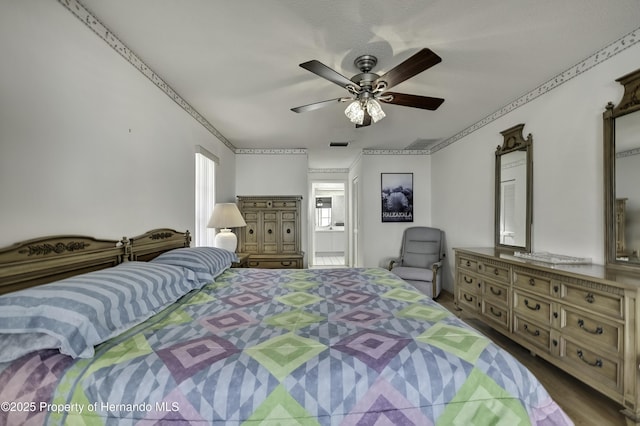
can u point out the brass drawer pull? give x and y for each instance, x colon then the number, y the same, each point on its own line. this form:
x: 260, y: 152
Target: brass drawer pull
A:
x: 283, y: 263
x: 598, y: 362
x: 497, y: 293
x: 598, y: 329
x: 269, y: 231
x: 590, y: 298
x: 496, y: 271
x: 532, y: 281
x: 535, y: 308
x: 497, y: 314
x: 251, y: 231
x: 533, y: 333
x: 468, y: 280
x: 288, y: 230
x: 467, y: 298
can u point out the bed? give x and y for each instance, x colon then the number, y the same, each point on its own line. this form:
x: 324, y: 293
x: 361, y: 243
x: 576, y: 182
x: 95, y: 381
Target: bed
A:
x: 254, y: 346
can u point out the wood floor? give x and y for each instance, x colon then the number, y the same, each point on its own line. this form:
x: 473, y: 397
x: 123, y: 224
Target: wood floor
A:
x: 582, y: 404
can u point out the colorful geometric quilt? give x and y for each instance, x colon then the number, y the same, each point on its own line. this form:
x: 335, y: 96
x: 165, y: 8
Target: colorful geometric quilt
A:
x: 285, y: 347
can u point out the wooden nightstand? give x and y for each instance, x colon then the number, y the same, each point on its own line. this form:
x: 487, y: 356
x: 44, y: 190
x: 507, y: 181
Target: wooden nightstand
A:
x: 243, y: 261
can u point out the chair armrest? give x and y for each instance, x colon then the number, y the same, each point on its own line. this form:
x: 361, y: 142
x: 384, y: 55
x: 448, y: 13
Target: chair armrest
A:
x: 435, y: 267
x: 392, y: 262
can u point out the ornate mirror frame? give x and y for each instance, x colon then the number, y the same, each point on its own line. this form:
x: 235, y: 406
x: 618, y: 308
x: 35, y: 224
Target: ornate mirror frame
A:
x: 514, y: 142
x: 629, y: 103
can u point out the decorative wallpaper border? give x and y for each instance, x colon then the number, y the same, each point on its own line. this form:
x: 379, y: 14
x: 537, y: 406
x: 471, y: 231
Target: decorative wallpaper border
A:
x: 395, y: 152
x: 600, y: 56
x: 272, y: 151
x: 328, y: 171
x: 629, y: 153
x: 84, y: 15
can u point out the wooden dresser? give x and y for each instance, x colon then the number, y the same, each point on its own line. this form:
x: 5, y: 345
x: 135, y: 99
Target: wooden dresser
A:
x: 272, y: 235
x: 581, y: 318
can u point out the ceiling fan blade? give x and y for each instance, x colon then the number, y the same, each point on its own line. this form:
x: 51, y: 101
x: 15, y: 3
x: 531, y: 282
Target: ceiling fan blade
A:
x: 324, y: 71
x: 414, y: 101
x: 419, y: 62
x: 366, y: 121
x: 316, y: 105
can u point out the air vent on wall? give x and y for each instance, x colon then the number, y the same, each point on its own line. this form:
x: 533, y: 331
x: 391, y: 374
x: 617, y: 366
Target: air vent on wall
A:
x: 342, y: 144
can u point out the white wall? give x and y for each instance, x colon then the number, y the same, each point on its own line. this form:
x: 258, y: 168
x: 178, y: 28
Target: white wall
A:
x: 566, y: 124
x: 380, y: 241
x: 88, y: 145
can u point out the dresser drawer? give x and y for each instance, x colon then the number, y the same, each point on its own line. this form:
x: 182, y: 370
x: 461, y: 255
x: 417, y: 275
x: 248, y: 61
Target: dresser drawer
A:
x: 497, y: 272
x: 495, y: 292
x: 602, y: 334
x: 603, y: 303
x: 536, y: 308
x: 534, y: 333
x: 258, y: 204
x: 532, y: 283
x: 275, y: 262
x: 469, y: 283
x: 468, y: 301
x: 279, y: 204
x: 496, y: 313
x: 466, y: 263
x: 590, y: 364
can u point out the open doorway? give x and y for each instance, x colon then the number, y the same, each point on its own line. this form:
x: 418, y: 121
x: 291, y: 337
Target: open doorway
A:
x: 329, y: 240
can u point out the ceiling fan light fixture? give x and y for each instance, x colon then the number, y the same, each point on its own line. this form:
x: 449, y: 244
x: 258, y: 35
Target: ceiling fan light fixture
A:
x: 375, y: 110
x: 355, y: 112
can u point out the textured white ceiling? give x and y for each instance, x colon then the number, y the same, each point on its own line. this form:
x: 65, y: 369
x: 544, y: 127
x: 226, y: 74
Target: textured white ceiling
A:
x: 236, y: 62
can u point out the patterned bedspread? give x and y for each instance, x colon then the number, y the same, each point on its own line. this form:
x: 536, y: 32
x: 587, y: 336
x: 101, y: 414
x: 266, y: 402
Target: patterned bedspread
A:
x: 328, y: 347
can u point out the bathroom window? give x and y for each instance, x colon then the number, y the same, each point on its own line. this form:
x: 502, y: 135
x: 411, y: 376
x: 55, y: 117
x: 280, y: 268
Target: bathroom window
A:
x: 323, y: 212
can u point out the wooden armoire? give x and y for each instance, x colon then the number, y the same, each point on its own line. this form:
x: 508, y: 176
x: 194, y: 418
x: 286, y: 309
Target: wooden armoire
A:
x: 273, y: 231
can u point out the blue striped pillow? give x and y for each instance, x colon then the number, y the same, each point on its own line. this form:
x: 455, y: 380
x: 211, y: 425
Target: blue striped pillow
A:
x: 76, y: 313
x: 206, y: 262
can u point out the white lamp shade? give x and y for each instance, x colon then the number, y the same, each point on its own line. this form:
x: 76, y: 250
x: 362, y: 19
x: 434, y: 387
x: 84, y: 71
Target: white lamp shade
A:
x: 225, y: 216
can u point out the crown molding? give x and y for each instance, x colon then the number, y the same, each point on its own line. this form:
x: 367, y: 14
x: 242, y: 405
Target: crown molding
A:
x: 597, y: 58
x: 94, y: 24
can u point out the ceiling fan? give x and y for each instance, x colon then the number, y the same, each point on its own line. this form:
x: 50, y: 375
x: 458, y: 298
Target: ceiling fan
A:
x: 367, y: 89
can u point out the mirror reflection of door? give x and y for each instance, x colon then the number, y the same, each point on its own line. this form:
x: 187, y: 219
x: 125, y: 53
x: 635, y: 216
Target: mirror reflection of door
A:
x: 507, y: 213
x: 329, y: 240
x: 513, y: 196
x: 627, y: 189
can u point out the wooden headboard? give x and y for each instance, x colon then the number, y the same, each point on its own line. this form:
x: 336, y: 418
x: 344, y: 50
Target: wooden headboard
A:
x: 44, y: 260
x: 155, y: 242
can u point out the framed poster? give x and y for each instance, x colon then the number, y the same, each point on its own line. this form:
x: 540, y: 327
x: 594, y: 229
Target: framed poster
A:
x: 397, y: 197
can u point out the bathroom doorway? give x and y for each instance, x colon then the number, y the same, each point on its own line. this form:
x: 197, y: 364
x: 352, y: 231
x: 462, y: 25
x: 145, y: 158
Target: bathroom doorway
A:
x: 329, y: 240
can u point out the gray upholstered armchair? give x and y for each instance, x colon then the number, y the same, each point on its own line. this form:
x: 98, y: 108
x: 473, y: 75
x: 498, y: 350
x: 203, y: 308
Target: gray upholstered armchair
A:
x: 420, y: 259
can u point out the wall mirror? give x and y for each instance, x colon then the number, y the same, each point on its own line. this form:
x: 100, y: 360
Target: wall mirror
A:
x: 513, y: 191
x: 622, y: 176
